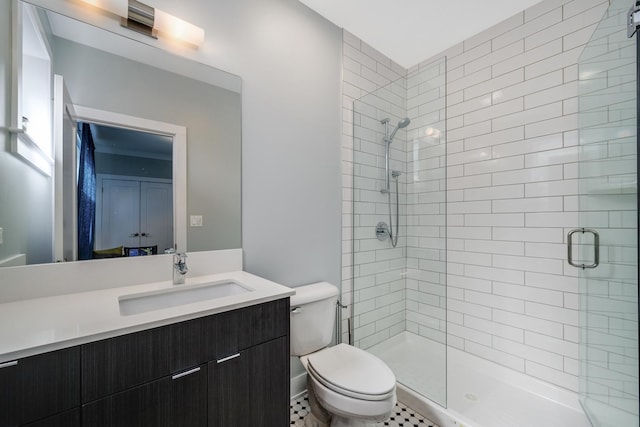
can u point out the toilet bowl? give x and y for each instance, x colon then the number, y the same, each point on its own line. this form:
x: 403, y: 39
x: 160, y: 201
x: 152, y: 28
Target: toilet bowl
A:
x: 347, y: 386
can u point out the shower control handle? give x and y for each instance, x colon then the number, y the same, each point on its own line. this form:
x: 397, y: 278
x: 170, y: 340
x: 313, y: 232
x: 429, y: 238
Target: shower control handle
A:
x: 382, y: 231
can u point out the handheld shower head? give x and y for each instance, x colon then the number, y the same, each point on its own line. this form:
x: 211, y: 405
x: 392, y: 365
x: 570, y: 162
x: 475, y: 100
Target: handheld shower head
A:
x: 404, y: 122
x: 401, y: 124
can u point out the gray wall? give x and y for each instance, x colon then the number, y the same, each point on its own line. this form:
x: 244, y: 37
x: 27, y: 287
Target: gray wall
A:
x: 211, y: 115
x: 289, y: 59
x: 25, y: 200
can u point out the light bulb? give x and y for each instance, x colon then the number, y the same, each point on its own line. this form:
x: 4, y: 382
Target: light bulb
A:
x: 177, y: 28
x: 117, y: 7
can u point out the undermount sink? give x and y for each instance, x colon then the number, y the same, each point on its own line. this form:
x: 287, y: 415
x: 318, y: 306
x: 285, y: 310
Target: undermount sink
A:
x: 184, y: 294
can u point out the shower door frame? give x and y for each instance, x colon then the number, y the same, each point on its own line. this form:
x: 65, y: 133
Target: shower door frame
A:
x: 605, y: 175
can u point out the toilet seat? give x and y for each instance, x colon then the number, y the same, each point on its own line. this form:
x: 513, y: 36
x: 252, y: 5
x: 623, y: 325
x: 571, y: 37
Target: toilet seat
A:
x: 352, y: 372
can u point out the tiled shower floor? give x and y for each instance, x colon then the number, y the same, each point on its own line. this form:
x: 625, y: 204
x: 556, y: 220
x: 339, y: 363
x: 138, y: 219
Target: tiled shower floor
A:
x: 402, y: 416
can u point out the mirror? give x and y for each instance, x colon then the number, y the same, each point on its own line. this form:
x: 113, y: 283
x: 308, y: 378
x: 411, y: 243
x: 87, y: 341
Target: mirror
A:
x: 115, y: 75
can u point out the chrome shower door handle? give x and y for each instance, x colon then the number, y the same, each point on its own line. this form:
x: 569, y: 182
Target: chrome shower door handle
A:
x: 596, y: 248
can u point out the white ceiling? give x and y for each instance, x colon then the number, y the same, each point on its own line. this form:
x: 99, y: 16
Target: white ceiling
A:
x: 410, y: 31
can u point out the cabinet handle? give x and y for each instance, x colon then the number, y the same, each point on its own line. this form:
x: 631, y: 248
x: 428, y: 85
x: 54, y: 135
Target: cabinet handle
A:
x: 8, y: 364
x: 225, y: 359
x: 185, y: 373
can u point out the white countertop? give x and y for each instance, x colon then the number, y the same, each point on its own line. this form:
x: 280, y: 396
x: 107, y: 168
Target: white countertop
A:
x: 39, y: 325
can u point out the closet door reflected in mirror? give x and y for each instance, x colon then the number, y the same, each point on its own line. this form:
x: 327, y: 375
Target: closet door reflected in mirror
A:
x: 134, y: 217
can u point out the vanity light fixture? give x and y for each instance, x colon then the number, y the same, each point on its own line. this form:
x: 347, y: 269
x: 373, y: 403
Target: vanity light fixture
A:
x: 147, y: 20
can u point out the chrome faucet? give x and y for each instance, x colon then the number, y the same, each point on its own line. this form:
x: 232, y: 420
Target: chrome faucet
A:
x: 179, y: 268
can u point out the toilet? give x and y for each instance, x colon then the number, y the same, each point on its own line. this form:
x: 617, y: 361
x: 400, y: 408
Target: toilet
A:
x: 346, y: 385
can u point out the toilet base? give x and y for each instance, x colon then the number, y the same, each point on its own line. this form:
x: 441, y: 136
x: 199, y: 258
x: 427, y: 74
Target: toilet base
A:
x: 310, y: 420
x: 337, y: 421
x: 319, y: 416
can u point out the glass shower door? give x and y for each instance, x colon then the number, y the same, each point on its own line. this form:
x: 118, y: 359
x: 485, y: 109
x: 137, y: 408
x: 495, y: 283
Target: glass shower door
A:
x: 605, y: 248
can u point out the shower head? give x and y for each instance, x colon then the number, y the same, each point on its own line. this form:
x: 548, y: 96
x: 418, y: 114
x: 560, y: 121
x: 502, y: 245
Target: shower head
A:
x: 404, y: 123
x: 401, y: 124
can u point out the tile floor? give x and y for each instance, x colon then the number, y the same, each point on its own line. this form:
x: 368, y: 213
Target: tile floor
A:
x: 402, y: 417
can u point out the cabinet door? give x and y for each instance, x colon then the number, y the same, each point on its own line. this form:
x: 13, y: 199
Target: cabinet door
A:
x: 156, y: 215
x: 118, y: 217
x: 48, y: 383
x: 115, y: 364
x: 180, y: 400
x: 8, y: 395
x: 66, y: 419
x: 251, y: 389
x: 36, y: 387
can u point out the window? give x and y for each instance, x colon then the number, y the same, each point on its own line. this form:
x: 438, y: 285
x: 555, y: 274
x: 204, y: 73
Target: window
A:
x: 32, y: 90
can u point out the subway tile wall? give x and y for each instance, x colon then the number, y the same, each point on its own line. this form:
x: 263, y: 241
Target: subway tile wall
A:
x: 374, y: 275
x: 511, y: 192
x: 426, y: 201
x: 378, y: 268
x: 401, y: 288
x: 512, y: 189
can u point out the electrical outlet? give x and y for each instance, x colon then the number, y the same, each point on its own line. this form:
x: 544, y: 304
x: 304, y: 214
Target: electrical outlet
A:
x: 196, y: 220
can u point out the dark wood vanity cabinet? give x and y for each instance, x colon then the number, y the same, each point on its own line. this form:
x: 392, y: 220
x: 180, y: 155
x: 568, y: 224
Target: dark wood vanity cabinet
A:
x: 43, y: 389
x: 116, y: 364
x: 65, y: 419
x: 178, y: 400
x: 246, y: 390
x: 223, y: 370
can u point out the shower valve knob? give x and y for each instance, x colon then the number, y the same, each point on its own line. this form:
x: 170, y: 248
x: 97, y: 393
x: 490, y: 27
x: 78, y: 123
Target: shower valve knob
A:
x: 382, y: 231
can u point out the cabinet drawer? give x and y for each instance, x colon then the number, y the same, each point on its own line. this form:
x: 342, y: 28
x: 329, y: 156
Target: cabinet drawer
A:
x: 36, y: 387
x: 227, y: 333
x: 179, y: 400
x: 115, y: 364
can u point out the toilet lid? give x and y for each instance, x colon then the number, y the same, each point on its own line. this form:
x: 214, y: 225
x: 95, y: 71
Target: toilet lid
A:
x: 353, y: 371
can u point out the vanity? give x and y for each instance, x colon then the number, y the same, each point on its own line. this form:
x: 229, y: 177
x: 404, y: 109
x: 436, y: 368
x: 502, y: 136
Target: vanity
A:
x: 93, y: 359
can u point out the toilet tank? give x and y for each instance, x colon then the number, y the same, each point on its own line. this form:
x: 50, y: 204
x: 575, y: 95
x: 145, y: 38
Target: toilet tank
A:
x: 313, y: 315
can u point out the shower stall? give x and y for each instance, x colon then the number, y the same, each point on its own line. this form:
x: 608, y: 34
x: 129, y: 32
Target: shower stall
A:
x: 404, y: 310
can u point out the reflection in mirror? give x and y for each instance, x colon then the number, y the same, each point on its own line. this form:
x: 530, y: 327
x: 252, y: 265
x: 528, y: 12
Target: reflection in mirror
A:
x: 133, y: 192
x: 39, y: 213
